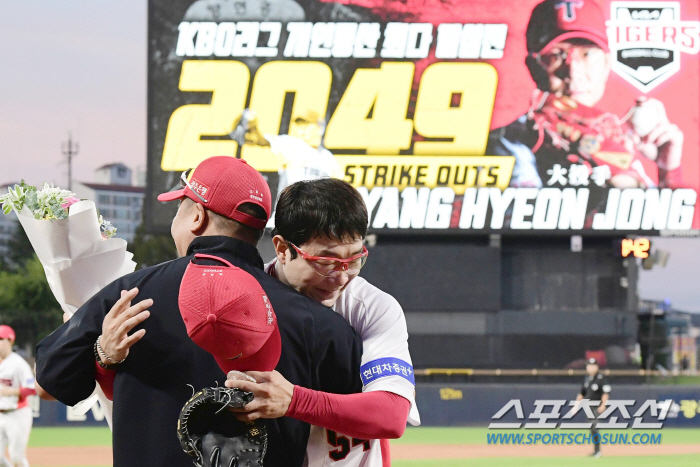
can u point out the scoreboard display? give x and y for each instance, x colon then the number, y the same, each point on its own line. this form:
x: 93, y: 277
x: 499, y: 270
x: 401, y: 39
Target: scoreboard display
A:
x: 488, y: 116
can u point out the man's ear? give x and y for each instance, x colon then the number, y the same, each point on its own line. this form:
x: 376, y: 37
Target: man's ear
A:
x: 198, y: 219
x: 281, y: 248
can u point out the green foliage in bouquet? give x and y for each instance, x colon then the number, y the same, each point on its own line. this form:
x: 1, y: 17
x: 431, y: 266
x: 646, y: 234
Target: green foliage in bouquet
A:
x: 49, y: 203
x: 106, y: 227
x: 44, y: 204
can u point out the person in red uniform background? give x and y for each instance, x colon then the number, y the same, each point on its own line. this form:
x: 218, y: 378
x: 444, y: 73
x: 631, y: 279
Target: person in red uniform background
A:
x: 16, y: 384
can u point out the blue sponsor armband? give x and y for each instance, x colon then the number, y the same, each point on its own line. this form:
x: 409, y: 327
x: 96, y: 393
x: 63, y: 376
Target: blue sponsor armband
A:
x: 382, y: 367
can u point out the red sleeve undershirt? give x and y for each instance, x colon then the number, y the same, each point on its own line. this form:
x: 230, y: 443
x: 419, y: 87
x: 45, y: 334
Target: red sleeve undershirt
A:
x: 386, y: 452
x: 367, y: 415
x: 105, y: 378
x: 25, y: 392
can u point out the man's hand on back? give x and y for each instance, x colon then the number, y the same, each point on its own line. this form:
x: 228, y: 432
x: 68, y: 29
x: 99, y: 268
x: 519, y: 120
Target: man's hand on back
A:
x: 122, y: 318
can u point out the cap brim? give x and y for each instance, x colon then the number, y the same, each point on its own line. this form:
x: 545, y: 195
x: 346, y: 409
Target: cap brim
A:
x: 172, y: 195
x: 265, y: 359
x: 596, y: 39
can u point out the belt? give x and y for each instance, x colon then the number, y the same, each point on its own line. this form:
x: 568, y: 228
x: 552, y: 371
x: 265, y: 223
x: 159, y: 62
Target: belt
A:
x: 6, y: 410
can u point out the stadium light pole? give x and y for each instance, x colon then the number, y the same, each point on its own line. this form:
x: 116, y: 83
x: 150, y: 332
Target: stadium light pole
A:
x: 69, y: 150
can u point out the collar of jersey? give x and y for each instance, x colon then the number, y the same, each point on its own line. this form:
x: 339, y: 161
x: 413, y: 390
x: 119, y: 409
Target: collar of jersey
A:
x: 228, y: 246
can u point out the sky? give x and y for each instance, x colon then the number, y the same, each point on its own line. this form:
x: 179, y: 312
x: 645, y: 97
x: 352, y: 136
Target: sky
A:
x: 79, y: 67
x: 75, y: 66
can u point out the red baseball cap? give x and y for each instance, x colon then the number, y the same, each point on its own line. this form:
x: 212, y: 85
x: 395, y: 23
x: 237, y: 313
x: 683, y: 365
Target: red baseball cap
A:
x: 6, y: 332
x: 229, y: 315
x: 222, y: 184
x: 553, y: 21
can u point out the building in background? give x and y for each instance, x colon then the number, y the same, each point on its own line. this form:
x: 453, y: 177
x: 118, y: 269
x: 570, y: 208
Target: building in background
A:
x: 117, y: 198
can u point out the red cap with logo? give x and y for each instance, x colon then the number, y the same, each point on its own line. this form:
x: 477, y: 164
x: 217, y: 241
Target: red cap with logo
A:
x: 222, y: 184
x: 553, y: 21
x: 6, y: 332
x: 229, y: 315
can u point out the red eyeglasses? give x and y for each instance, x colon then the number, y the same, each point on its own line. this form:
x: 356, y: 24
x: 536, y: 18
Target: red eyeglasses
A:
x: 331, y: 267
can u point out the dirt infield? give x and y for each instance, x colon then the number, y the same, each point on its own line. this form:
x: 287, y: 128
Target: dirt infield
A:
x: 102, y: 455
x: 464, y: 451
x: 70, y: 456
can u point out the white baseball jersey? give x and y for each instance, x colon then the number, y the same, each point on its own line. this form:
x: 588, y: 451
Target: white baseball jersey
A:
x: 299, y: 161
x: 15, y: 372
x: 386, y: 366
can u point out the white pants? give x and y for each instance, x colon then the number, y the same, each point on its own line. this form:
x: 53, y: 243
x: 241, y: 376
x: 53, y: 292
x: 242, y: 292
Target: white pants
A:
x: 15, y: 427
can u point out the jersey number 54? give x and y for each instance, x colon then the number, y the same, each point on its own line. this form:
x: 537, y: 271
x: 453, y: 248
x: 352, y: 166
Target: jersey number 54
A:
x: 343, y: 445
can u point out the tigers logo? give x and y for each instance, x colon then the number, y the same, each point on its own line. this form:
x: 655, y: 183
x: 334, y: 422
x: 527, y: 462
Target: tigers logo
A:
x: 568, y: 9
x: 646, y: 40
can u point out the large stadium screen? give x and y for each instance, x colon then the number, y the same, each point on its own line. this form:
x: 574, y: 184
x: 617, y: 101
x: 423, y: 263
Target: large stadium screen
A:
x: 473, y: 117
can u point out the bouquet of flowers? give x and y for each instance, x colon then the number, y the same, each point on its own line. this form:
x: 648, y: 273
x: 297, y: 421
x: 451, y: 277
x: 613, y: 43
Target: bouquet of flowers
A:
x: 73, y: 242
x: 75, y: 246
x: 48, y: 204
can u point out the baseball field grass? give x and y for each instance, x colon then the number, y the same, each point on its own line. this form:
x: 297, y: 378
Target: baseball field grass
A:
x: 70, y: 436
x: 420, y: 447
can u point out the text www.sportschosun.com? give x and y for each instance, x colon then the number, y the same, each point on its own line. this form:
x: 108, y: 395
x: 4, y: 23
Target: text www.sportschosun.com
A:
x: 572, y: 438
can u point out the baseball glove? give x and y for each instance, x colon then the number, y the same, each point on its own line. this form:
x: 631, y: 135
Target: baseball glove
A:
x: 569, y: 131
x: 213, y: 437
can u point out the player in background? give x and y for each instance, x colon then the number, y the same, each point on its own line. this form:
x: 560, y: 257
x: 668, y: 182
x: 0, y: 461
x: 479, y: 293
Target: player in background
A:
x: 301, y: 154
x: 595, y: 388
x: 319, y: 229
x: 16, y: 384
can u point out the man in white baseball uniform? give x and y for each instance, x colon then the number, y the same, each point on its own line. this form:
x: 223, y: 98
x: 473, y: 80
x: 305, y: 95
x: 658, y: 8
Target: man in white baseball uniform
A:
x: 300, y: 154
x: 319, y: 229
x: 16, y: 384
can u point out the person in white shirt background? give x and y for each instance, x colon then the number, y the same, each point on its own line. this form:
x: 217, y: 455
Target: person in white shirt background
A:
x: 16, y: 384
x: 301, y: 154
x: 320, y: 255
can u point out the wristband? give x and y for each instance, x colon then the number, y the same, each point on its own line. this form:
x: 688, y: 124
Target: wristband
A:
x: 98, y: 360
x: 101, y: 353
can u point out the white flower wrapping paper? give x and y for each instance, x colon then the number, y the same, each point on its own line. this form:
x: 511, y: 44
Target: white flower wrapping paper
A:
x: 78, y: 263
